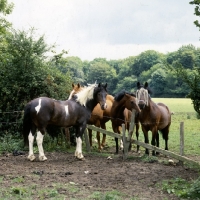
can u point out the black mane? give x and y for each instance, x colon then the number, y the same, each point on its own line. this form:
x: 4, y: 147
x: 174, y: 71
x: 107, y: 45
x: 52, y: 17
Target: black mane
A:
x: 121, y: 94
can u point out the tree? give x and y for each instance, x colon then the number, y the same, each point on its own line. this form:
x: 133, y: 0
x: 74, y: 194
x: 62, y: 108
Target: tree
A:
x: 145, y: 61
x: 25, y: 74
x: 101, y: 71
x: 196, y: 11
x: 5, y: 9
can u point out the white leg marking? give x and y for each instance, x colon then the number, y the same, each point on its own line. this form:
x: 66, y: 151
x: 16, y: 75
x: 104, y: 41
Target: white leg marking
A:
x: 78, y: 152
x: 66, y: 110
x: 31, y: 156
x: 37, y: 108
x: 39, y: 140
x: 121, y: 145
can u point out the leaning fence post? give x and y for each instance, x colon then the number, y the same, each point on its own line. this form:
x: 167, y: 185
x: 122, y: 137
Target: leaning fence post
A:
x: 125, y: 146
x: 182, y: 138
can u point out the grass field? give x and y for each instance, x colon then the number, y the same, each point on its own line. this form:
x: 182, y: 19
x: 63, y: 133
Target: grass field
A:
x: 183, y: 112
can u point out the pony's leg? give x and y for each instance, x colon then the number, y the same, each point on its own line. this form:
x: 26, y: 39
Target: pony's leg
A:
x: 157, y: 142
x: 98, y: 140
x: 67, y: 136
x: 146, y: 139
x: 137, y: 135
x: 117, y: 147
x: 31, y: 156
x: 39, y: 140
x: 78, y: 152
x: 153, y: 141
x: 90, y: 136
x: 103, y: 143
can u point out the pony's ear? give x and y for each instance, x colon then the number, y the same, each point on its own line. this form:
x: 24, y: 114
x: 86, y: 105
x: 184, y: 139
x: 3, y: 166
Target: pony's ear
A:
x: 73, y: 85
x: 99, y: 84
x: 78, y: 85
x: 105, y: 85
x: 138, y: 85
x: 145, y: 85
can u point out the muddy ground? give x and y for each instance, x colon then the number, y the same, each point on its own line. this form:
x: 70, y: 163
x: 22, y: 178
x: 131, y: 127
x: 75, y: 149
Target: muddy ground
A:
x: 132, y: 177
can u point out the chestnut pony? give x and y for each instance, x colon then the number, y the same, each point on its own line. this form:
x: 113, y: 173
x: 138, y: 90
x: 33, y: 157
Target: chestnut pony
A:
x: 120, y: 113
x: 98, y: 117
x: 153, y: 117
x: 75, y: 112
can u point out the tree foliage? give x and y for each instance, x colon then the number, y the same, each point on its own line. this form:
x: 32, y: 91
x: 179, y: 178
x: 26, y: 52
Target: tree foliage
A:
x: 25, y: 74
x: 5, y: 9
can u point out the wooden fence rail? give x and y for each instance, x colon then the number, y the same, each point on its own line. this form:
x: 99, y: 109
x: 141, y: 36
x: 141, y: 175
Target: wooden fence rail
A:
x: 128, y: 139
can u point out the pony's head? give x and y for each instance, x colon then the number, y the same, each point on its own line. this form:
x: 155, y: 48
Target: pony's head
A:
x: 142, y: 95
x: 75, y: 89
x: 93, y: 91
x: 100, y: 93
x: 127, y: 100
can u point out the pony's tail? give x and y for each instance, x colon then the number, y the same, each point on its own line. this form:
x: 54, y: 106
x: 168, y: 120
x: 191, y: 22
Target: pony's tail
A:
x: 26, y: 123
x: 164, y: 133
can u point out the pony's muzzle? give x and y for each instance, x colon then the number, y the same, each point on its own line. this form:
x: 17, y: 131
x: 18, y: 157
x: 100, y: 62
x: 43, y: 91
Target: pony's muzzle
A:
x: 141, y: 104
x: 103, y: 106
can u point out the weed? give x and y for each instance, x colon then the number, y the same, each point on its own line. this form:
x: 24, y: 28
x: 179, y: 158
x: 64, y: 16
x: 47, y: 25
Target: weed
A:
x: 182, y: 188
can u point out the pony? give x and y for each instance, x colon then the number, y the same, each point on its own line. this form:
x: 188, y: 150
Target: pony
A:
x: 99, y: 117
x: 153, y: 117
x: 120, y: 112
x: 75, y: 112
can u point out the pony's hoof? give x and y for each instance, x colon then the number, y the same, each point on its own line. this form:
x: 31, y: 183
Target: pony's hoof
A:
x: 79, y: 156
x: 31, y: 157
x: 42, y: 158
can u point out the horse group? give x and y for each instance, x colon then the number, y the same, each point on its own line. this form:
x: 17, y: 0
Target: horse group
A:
x: 92, y: 105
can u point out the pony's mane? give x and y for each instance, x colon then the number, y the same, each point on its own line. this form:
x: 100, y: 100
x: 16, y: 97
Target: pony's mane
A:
x: 85, y: 94
x: 121, y: 94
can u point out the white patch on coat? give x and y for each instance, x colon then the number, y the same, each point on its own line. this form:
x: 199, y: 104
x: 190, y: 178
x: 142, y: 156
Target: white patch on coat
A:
x: 67, y: 110
x: 37, y: 108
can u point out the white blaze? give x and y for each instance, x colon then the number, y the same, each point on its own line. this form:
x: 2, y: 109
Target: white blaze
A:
x: 37, y: 108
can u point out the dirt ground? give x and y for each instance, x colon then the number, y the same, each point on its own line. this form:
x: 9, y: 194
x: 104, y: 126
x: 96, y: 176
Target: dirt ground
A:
x: 132, y: 177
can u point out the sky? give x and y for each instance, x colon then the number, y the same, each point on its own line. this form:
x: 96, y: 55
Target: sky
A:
x: 111, y: 29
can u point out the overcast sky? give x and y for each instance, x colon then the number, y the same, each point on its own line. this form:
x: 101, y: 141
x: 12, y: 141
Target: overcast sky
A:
x: 111, y: 29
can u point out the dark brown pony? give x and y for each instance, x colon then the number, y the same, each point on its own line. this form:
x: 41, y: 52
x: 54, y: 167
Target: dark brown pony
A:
x: 75, y: 112
x: 120, y: 113
x: 98, y: 117
x: 153, y: 117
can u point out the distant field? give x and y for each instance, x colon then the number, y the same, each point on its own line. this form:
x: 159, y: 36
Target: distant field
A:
x: 183, y: 112
x: 177, y: 104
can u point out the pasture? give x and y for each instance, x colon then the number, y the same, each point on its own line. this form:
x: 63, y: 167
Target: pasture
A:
x: 103, y: 176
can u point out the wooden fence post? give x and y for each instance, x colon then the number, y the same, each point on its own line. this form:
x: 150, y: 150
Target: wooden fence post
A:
x: 125, y: 145
x: 132, y: 125
x: 182, y: 138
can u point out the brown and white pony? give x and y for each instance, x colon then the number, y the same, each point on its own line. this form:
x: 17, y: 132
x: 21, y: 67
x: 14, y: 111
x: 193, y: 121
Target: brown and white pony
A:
x: 99, y: 117
x: 75, y: 112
